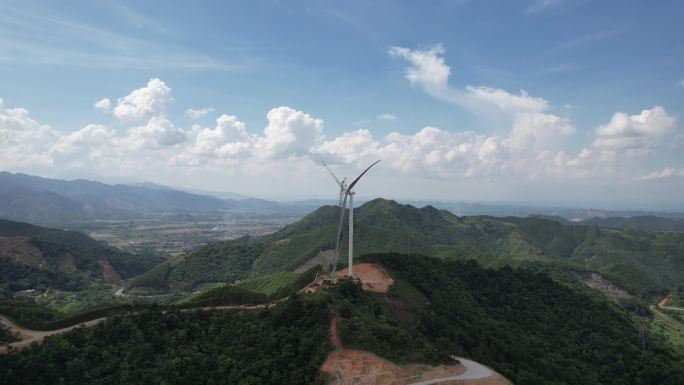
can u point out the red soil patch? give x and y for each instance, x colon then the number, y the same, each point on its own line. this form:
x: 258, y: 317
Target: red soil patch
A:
x: 362, y: 368
x: 108, y: 273
x: 373, y: 277
x: 665, y: 301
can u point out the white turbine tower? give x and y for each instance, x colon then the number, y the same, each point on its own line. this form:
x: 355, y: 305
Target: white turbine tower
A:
x: 342, y: 203
x: 350, y: 194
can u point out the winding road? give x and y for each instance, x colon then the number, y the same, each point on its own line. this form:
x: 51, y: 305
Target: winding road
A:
x: 29, y: 336
x: 473, y: 371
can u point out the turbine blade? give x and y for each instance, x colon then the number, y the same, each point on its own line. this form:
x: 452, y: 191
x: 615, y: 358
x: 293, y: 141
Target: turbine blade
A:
x: 333, y: 175
x: 339, y: 228
x: 359, y: 177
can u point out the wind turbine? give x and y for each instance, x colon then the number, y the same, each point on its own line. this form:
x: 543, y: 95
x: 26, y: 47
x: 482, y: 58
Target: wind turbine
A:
x: 349, y: 193
x: 342, y: 203
x: 344, y: 193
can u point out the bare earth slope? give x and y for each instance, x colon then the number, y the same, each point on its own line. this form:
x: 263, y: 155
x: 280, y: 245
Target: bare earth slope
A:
x: 347, y: 366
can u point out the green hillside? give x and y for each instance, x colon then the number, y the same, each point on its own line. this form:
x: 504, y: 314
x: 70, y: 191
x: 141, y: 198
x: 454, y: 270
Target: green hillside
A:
x: 645, y: 263
x: 522, y: 324
x: 33, y: 257
x: 283, y: 346
x: 270, y: 284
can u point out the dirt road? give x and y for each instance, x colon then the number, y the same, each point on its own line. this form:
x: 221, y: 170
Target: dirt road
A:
x: 665, y: 301
x: 29, y: 336
x: 473, y: 371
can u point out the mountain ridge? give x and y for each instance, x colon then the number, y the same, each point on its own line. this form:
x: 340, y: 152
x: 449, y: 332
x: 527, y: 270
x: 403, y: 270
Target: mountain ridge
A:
x: 54, y: 201
x: 645, y: 263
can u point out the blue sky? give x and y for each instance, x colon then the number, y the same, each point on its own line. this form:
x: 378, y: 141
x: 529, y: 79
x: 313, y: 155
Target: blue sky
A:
x: 553, y: 100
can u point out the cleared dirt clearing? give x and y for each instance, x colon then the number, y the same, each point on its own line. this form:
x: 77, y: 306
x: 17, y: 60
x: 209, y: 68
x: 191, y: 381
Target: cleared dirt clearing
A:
x: 373, y: 277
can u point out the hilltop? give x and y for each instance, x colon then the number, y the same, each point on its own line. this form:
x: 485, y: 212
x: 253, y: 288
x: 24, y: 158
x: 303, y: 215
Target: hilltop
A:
x: 645, y: 263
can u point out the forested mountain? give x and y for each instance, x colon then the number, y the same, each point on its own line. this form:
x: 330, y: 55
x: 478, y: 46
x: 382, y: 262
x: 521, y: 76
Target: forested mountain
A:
x: 522, y: 324
x: 284, y: 346
x: 33, y: 257
x: 569, y: 213
x: 645, y: 263
x: 643, y: 222
x: 53, y: 201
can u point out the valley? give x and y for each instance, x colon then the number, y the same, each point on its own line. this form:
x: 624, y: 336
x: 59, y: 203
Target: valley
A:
x: 176, y: 234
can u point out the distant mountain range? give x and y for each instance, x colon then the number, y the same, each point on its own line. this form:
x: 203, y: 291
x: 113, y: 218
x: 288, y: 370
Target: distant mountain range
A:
x: 61, y: 203
x: 509, y: 209
x: 644, y: 263
x: 642, y: 222
x: 53, y: 201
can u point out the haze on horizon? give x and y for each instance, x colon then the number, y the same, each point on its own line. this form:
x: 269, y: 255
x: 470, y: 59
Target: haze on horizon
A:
x: 553, y: 101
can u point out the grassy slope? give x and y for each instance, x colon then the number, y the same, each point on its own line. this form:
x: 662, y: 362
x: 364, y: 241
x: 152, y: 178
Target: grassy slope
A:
x: 671, y: 326
x: 271, y: 283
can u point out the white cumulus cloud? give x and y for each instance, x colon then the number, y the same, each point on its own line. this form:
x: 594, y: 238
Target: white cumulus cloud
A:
x: 533, y: 129
x: 88, y: 136
x: 159, y: 132
x: 195, y: 113
x: 144, y: 102
x: 289, y: 133
x: 624, y: 131
x: 228, y: 139
x: 23, y: 141
x: 507, y: 101
x: 427, y: 69
x: 531, y: 144
x: 103, y: 104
